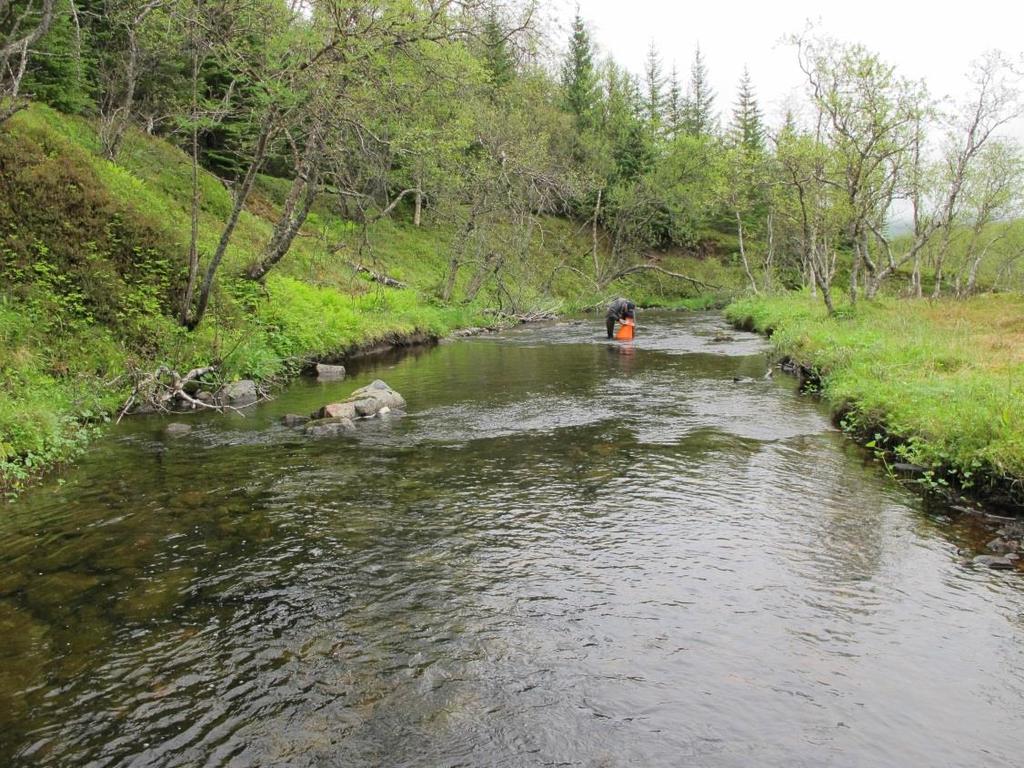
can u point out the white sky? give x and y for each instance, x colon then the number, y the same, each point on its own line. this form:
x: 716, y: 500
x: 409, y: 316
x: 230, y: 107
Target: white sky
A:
x: 933, y: 40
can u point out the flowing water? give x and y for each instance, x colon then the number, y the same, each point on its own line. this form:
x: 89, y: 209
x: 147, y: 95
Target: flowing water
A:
x: 570, y: 552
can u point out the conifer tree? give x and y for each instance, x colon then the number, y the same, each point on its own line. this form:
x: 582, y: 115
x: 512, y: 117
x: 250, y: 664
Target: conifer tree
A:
x: 747, y: 129
x: 654, y: 85
x: 579, y: 78
x: 496, y: 55
x: 674, y: 103
x: 700, y: 119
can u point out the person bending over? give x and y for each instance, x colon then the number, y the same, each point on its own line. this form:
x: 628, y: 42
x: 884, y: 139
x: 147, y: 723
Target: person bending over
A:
x: 618, y: 310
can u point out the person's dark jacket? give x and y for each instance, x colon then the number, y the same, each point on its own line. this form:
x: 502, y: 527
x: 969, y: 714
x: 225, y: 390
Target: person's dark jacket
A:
x: 621, y: 308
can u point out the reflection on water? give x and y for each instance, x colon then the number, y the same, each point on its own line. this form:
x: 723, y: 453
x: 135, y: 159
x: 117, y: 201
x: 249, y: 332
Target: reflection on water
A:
x: 570, y: 552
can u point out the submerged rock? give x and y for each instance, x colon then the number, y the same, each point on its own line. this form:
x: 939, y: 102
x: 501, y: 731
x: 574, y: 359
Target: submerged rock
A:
x: 294, y: 420
x: 329, y: 427
x: 177, y: 428
x: 994, y: 561
x: 330, y: 372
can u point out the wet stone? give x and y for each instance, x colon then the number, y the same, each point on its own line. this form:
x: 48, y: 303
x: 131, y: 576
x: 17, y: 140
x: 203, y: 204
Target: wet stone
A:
x: 294, y: 420
x: 329, y: 427
x: 330, y: 372
x: 239, y: 393
x: 999, y: 546
x: 177, y: 428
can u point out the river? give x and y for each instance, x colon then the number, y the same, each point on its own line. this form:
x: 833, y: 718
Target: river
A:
x: 571, y: 552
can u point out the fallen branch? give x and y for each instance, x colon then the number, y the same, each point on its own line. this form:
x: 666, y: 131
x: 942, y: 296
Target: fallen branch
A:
x: 655, y: 268
x: 165, y: 385
x: 377, y: 277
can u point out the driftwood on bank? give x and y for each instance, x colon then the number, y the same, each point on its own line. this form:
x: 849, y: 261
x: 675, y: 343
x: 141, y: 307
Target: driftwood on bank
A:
x: 377, y: 277
x: 158, y: 390
x: 655, y: 268
x: 530, y: 316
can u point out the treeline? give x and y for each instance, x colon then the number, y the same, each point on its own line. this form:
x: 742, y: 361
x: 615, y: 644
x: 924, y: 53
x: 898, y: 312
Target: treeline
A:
x: 454, y: 112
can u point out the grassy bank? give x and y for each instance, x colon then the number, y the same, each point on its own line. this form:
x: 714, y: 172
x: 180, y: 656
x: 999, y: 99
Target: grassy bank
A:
x: 936, y: 384
x: 92, y: 262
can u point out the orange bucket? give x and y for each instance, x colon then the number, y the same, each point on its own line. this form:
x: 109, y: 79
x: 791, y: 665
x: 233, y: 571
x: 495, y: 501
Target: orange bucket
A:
x: 625, y: 332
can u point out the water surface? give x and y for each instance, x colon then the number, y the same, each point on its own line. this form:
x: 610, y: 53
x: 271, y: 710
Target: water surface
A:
x: 570, y: 552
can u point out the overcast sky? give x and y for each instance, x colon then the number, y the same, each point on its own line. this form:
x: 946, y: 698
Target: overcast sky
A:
x: 930, y: 40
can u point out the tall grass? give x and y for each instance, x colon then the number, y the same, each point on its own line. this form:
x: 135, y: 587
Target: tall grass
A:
x: 940, y: 383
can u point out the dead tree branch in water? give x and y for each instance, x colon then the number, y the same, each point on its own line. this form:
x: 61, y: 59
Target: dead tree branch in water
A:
x: 158, y: 389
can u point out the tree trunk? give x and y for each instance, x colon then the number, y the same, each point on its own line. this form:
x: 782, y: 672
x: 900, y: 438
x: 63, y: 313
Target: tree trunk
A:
x: 743, y: 253
x: 242, y: 194
x: 193, y: 245
x: 294, y: 214
x: 20, y: 48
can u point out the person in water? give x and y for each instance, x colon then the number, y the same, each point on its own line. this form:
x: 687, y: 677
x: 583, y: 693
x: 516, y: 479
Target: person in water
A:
x: 618, y: 311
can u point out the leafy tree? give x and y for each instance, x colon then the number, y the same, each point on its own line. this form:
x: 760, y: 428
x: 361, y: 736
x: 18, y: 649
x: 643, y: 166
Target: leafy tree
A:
x: 22, y: 25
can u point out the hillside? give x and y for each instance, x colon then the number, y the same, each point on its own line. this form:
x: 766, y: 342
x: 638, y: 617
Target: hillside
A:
x: 92, y: 260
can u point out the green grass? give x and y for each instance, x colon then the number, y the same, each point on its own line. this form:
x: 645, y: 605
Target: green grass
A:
x: 939, y: 384
x: 92, y: 262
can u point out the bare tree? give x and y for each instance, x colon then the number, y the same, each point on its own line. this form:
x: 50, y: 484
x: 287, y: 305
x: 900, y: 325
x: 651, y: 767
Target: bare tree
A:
x: 21, y: 29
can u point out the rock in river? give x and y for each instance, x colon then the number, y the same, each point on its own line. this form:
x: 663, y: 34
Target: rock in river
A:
x: 330, y: 372
x: 374, y: 399
x: 177, y: 428
x: 294, y: 420
x: 328, y: 427
x: 344, y: 410
x: 238, y: 393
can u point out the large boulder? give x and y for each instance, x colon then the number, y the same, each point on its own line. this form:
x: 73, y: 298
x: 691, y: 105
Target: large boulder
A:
x: 328, y: 427
x: 238, y: 393
x: 330, y: 372
x: 376, y: 398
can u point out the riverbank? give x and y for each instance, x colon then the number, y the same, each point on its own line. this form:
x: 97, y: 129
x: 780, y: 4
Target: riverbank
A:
x: 935, y: 388
x: 92, y: 265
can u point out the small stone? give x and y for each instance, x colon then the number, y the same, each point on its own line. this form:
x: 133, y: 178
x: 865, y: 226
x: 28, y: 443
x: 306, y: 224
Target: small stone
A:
x: 999, y: 546
x: 177, y: 428
x: 330, y: 372
x: 205, y: 397
x: 294, y: 420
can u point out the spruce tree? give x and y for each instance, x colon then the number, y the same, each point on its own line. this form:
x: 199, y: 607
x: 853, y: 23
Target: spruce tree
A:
x: 496, y: 55
x: 700, y: 119
x: 674, y: 104
x: 747, y: 129
x: 579, y: 79
x: 654, y: 84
